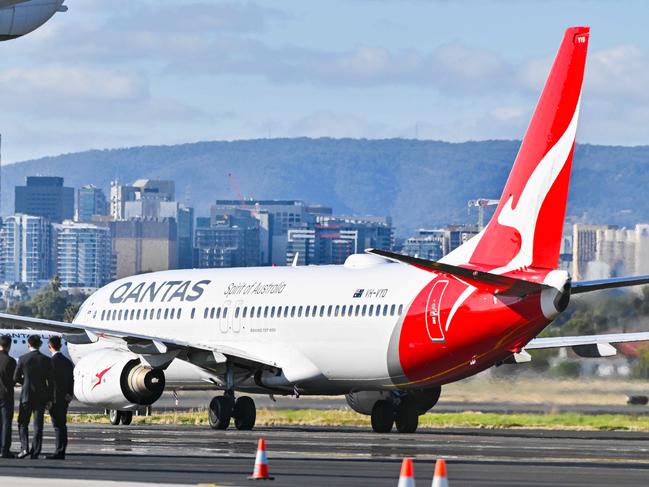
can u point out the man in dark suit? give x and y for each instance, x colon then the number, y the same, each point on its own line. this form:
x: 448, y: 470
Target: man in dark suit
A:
x: 63, y: 392
x: 34, y: 372
x: 7, y: 369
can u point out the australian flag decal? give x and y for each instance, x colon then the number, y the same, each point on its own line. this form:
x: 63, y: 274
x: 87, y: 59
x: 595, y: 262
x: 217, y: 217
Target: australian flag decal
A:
x: 358, y: 293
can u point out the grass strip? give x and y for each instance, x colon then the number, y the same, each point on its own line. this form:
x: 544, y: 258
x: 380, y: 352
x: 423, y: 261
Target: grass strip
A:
x: 313, y: 417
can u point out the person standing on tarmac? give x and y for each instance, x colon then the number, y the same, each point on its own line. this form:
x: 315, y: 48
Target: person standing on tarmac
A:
x: 7, y: 369
x: 63, y: 392
x: 34, y: 372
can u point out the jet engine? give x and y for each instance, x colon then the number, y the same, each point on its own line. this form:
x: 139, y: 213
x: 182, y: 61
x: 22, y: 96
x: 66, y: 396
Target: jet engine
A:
x: 116, y: 379
x: 423, y: 399
x: 20, y: 17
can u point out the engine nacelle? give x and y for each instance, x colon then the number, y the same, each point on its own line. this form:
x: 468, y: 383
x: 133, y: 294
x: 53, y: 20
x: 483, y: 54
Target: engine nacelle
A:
x: 22, y: 18
x: 115, y: 379
x: 363, y: 401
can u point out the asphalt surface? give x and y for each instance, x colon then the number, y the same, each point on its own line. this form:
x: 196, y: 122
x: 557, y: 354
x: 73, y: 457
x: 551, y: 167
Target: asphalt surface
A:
x: 194, y: 400
x: 192, y: 455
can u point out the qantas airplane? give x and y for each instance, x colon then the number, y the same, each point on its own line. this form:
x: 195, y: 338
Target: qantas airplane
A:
x: 20, y: 17
x: 386, y: 330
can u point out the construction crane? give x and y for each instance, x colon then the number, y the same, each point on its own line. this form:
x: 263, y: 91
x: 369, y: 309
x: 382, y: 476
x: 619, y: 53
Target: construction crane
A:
x: 481, y: 204
x: 234, y: 185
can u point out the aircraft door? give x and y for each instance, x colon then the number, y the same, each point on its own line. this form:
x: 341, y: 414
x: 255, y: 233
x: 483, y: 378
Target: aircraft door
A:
x: 237, y: 317
x: 435, y: 316
x: 226, y: 316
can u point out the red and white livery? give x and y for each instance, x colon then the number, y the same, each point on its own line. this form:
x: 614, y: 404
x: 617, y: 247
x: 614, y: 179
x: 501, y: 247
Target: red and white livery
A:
x: 386, y: 330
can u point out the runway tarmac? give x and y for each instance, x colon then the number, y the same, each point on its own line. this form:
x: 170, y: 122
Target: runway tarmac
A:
x: 191, y: 455
x: 193, y: 400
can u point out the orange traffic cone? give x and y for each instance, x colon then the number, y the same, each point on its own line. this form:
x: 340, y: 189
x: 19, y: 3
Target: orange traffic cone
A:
x: 261, y: 463
x: 440, y: 479
x: 407, y: 477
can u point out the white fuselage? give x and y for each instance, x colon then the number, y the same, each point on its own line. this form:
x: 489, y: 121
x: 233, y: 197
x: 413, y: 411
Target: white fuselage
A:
x: 330, y: 326
x: 19, y: 346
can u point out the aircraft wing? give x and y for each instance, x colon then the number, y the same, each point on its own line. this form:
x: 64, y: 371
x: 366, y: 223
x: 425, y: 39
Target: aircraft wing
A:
x: 141, y: 344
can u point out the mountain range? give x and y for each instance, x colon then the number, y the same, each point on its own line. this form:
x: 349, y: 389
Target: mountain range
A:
x: 419, y: 183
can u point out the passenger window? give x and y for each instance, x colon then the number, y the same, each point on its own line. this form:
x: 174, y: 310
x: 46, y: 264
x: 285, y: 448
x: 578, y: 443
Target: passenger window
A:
x: 179, y: 311
x: 132, y: 314
x: 392, y: 309
x: 166, y: 313
x: 307, y: 311
x: 225, y: 313
x: 272, y: 312
x: 245, y: 312
x: 286, y: 312
x: 102, y: 315
x: 358, y: 310
x: 299, y: 312
x: 236, y: 312
x: 193, y: 313
x: 259, y: 312
x: 205, y: 313
x: 343, y: 310
x: 252, y: 311
x: 152, y: 313
x: 364, y: 310
x: 400, y: 309
x: 172, y: 313
x: 212, y: 311
x: 266, y: 312
x: 159, y: 314
x: 337, y: 310
x: 329, y: 310
x: 279, y: 312
x: 385, y: 310
x: 322, y: 308
x: 119, y: 315
x: 137, y: 315
x: 218, y: 313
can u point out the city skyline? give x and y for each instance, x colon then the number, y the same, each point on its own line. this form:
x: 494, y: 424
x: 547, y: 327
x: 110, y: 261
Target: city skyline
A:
x: 132, y: 73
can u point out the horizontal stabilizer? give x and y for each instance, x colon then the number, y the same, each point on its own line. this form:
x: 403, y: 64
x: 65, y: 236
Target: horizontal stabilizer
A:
x: 578, y: 341
x: 588, y: 286
x: 494, y: 283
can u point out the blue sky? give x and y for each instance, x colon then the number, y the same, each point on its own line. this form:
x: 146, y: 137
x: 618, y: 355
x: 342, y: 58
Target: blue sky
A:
x: 124, y: 73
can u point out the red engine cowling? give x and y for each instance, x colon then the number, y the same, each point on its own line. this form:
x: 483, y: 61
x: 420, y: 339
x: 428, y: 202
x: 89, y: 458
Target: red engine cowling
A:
x: 116, y: 379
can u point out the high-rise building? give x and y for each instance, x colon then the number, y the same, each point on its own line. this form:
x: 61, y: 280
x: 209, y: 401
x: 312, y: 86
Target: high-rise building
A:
x: 83, y: 255
x: 231, y: 240
x: 25, y: 249
x: 145, y: 198
x: 321, y: 245
x: 602, y: 251
x: 276, y: 218
x: 91, y: 201
x: 185, y: 222
x: 373, y: 231
x: 46, y: 197
x: 425, y: 247
x: 144, y: 246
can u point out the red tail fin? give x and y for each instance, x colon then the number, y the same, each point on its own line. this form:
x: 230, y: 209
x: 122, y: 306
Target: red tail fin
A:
x: 526, y: 228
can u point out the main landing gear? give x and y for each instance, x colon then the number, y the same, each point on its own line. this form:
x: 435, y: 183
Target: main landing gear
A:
x: 385, y: 414
x: 224, y: 408
x: 116, y: 417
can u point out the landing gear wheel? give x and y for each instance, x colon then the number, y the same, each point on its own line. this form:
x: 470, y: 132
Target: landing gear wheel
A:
x: 245, y: 413
x: 382, y: 416
x: 127, y: 417
x: 220, y: 412
x: 114, y: 416
x: 406, y: 417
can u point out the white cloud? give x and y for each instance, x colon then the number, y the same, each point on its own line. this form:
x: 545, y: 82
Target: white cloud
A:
x: 74, y: 83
